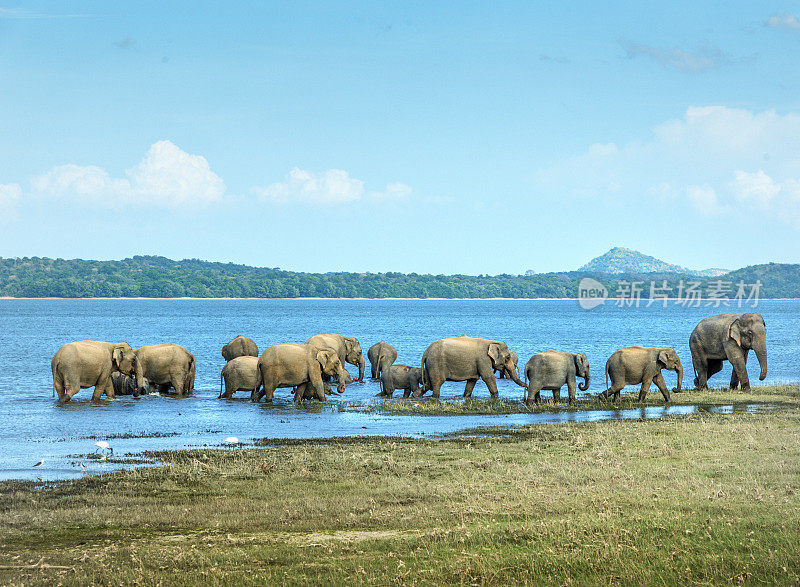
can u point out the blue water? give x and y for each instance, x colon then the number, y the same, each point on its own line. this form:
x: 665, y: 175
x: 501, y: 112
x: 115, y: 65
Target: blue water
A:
x: 35, y: 427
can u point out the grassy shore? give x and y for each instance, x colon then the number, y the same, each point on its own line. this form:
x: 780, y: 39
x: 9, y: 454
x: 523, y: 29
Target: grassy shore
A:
x: 706, y: 498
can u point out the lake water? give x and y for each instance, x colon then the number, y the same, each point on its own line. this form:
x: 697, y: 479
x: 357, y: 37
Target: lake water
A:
x: 31, y: 331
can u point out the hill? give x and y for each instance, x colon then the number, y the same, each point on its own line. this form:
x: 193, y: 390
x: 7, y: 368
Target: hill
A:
x: 620, y: 260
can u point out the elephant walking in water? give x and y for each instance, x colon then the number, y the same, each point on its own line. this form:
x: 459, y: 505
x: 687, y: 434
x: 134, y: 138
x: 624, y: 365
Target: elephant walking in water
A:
x: 552, y: 370
x: 409, y: 379
x: 381, y: 356
x: 165, y: 366
x: 87, y: 363
x: 238, y: 374
x: 296, y: 365
x: 241, y: 346
x: 728, y: 337
x: 348, y: 349
x: 638, y: 364
x: 464, y: 358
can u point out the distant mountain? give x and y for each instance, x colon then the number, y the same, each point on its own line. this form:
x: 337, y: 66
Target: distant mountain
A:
x: 621, y: 260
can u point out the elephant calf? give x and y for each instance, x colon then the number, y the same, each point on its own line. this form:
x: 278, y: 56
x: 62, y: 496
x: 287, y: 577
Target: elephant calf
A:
x: 637, y: 364
x: 238, y: 374
x: 126, y: 385
x: 381, y: 356
x: 409, y: 379
x: 347, y: 348
x: 552, y: 370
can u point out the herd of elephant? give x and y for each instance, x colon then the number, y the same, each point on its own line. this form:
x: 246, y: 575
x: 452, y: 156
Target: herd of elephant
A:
x: 309, y: 368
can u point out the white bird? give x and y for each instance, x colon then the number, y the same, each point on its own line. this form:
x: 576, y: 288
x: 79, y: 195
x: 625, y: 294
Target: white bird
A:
x: 39, y: 464
x: 102, y: 444
x: 231, y: 440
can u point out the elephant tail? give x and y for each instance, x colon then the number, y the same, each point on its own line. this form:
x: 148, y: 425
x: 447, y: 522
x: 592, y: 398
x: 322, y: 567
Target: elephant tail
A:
x: 425, y: 377
x: 258, y: 383
x: 221, y: 381
x: 607, y: 375
x: 192, y: 372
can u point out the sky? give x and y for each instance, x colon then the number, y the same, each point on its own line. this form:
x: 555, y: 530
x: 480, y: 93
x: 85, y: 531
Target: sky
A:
x: 428, y: 137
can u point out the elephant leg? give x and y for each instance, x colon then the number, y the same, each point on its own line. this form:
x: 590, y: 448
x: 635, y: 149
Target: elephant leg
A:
x: 734, y: 375
x: 739, y: 368
x: 179, y: 381
x: 488, y: 379
x: 701, y: 368
x: 100, y: 388
x: 645, y: 388
x: 532, y: 394
x: 436, y: 385
x: 662, y: 386
x: 407, y: 392
x: 110, y: 389
x: 469, y: 387
x: 268, y: 392
x: 570, y: 391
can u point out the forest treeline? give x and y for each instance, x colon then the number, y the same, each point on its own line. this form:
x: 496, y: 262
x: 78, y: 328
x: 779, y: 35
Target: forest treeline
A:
x: 159, y: 277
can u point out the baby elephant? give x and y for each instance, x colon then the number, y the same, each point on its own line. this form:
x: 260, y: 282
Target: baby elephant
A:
x: 125, y: 385
x: 238, y: 374
x: 638, y: 364
x: 409, y: 379
x: 552, y: 370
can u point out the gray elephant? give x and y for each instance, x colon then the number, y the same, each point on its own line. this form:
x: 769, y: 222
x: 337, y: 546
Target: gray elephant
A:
x: 728, y: 337
x: 293, y: 365
x: 241, y: 346
x: 465, y: 358
x: 638, y: 364
x: 409, y: 379
x: 165, y: 366
x: 514, y: 359
x: 238, y: 374
x: 381, y: 356
x: 83, y: 364
x: 126, y: 385
x: 348, y: 349
x: 552, y: 370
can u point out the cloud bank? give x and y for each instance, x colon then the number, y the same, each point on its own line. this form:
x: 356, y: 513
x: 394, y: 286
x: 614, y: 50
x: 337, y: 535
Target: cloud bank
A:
x: 334, y: 186
x: 166, y: 177
x: 717, y: 159
x: 696, y: 61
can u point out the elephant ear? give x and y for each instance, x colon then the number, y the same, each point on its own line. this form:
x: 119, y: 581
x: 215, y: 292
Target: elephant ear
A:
x: 224, y: 352
x: 323, y: 357
x: 663, y: 357
x: 734, y: 333
x: 580, y: 361
x: 494, y: 353
x: 116, y: 356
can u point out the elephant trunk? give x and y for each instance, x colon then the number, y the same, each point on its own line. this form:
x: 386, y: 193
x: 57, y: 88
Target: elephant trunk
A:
x: 587, y: 379
x: 679, y: 371
x: 511, y: 370
x: 360, y: 368
x: 761, y: 354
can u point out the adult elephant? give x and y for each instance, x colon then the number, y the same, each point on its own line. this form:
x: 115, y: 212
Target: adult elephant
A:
x: 464, y: 358
x: 348, y: 349
x: 637, y: 364
x: 165, y: 366
x: 296, y: 365
x: 238, y: 374
x: 552, y: 370
x: 86, y: 363
x: 728, y: 337
x: 381, y: 356
x: 241, y: 346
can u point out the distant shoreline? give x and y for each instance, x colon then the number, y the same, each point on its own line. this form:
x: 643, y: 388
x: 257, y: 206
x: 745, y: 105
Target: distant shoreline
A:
x: 642, y: 301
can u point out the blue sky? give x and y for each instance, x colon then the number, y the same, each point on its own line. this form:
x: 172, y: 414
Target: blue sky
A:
x: 431, y: 137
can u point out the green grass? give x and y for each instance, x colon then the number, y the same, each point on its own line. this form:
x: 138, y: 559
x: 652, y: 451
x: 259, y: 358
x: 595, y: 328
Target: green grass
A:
x: 706, y: 498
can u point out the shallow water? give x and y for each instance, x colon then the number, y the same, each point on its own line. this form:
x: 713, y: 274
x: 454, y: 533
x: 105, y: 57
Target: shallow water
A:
x: 35, y: 427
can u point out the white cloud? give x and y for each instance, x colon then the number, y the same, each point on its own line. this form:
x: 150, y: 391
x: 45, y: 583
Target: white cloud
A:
x: 690, y: 61
x: 167, y: 177
x: 758, y: 187
x: 784, y: 21
x: 330, y: 187
x: 334, y: 186
x: 718, y: 159
x: 10, y: 194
